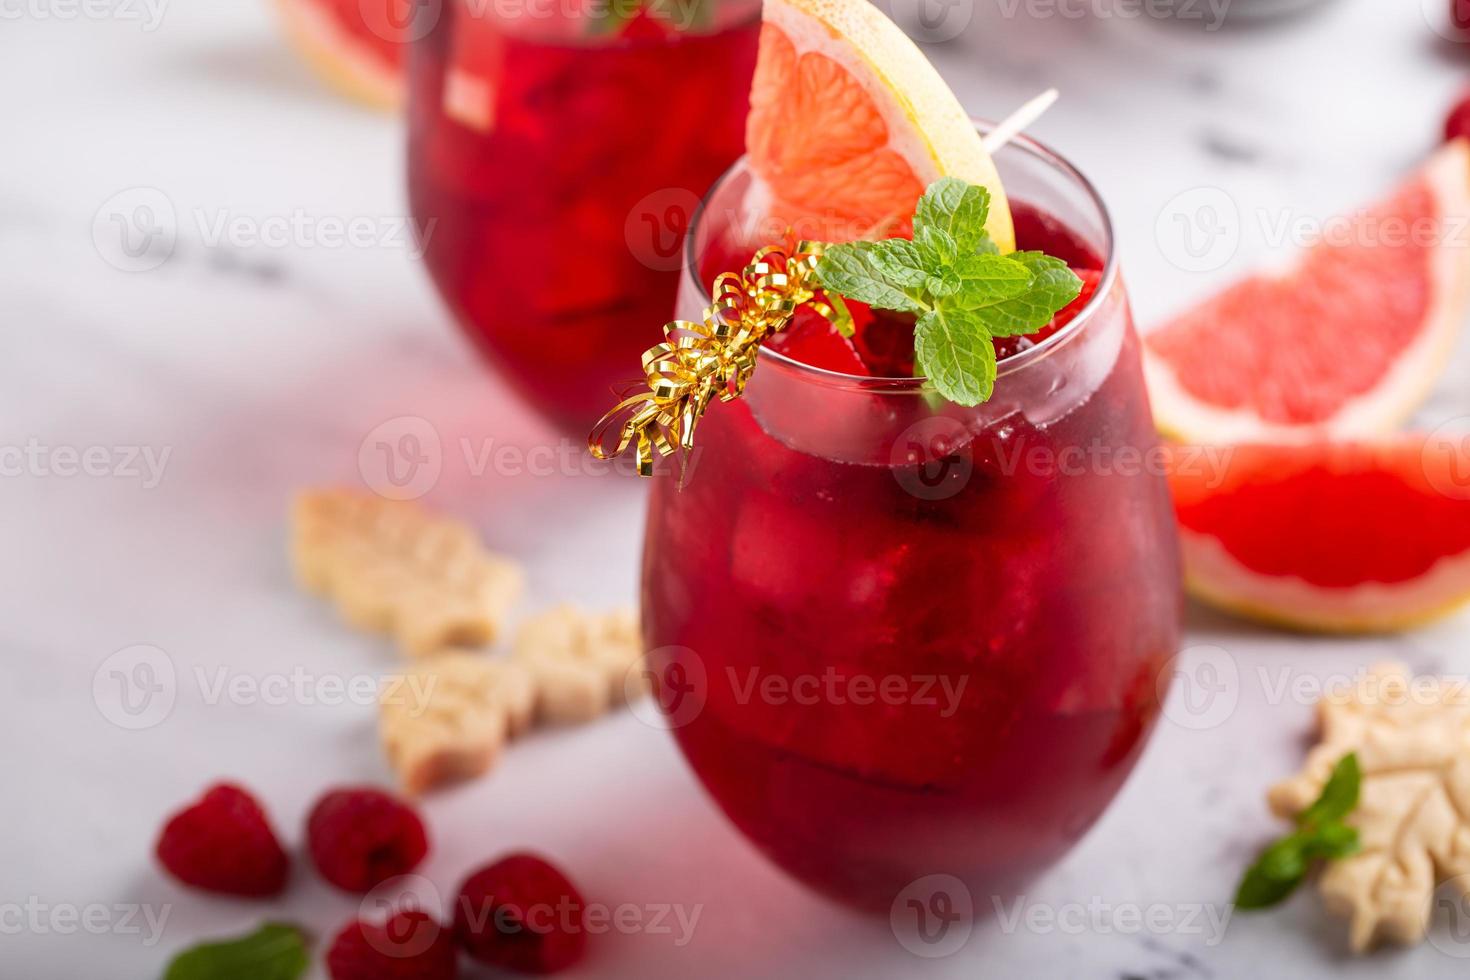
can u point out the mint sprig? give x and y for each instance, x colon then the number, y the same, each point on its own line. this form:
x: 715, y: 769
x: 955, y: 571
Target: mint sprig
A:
x: 954, y: 279
x: 1320, y: 834
x: 273, y: 952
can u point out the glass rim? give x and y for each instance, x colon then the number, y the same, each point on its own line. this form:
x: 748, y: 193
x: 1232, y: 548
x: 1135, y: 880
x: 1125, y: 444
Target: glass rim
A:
x: 1006, y: 366
x: 753, y: 16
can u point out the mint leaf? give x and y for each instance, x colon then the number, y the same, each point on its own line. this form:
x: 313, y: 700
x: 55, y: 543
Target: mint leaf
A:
x: 937, y: 248
x: 1320, y: 835
x: 1052, y: 287
x: 956, y: 353
x: 945, y: 282
x: 900, y: 261
x: 273, y: 952
x: 853, y: 271
x: 1274, y: 876
x: 952, y: 275
x: 1332, y: 841
x: 957, y: 208
x: 987, y: 279
x: 1339, y: 795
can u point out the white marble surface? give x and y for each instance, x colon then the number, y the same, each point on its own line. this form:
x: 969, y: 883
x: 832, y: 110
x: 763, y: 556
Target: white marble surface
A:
x: 258, y: 368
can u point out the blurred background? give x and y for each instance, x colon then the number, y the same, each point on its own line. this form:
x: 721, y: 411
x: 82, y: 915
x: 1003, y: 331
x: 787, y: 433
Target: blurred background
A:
x: 210, y: 272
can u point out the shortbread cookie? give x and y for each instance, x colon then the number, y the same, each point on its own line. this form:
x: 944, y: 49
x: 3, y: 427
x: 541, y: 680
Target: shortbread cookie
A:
x: 1412, y: 739
x: 582, y: 663
x: 394, y: 568
x: 447, y: 718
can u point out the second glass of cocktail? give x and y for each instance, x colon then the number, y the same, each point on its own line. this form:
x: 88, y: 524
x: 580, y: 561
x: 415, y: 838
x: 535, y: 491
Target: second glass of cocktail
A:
x: 556, y: 150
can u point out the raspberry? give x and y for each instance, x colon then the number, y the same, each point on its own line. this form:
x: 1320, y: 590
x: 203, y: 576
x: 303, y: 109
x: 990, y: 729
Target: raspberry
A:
x: 1458, y: 123
x: 520, y: 913
x: 360, y: 837
x: 409, y: 946
x: 224, y: 843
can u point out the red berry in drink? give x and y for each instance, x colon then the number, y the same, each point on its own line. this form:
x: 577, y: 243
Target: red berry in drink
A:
x: 811, y: 339
x: 224, y: 843
x: 521, y: 913
x: 360, y: 837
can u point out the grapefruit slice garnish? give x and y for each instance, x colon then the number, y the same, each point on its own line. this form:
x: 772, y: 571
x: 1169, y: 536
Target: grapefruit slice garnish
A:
x: 849, y: 123
x: 1346, y: 343
x: 359, y: 55
x: 1330, y: 536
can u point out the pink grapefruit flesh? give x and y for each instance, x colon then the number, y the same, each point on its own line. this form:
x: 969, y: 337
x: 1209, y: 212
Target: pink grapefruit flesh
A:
x: 1330, y: 536
x: 849, y: 122
x: 1346, y: 343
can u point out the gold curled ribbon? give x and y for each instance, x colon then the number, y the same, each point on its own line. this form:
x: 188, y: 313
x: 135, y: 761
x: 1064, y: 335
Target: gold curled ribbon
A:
x: 700, y: 362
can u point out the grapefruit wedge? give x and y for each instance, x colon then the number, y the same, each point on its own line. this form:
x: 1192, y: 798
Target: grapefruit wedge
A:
x: 1330, y: 536
x: 849, y: 123
x: 356, y: 47
x: 1347, y: 343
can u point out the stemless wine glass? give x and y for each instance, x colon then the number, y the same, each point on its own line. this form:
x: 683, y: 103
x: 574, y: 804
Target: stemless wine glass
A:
x: 912, y: 638
x: 556, y: 151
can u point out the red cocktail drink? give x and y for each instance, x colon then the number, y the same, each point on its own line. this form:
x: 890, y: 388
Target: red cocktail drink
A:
x: 916, y: 638
x: 558, y: 157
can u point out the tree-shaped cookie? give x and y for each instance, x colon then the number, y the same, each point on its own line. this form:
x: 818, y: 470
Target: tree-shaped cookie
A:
x: 394, y: 568
x: 582, y: 662
x: 448, y: 717
x: 1411, y: 737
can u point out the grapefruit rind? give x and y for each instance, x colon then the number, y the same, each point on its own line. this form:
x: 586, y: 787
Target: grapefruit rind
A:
x: 1214, y: 577
x: 926, y: 124
x: 338, y: 60
x: 1403, y: 387
x: 1422, y: 468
